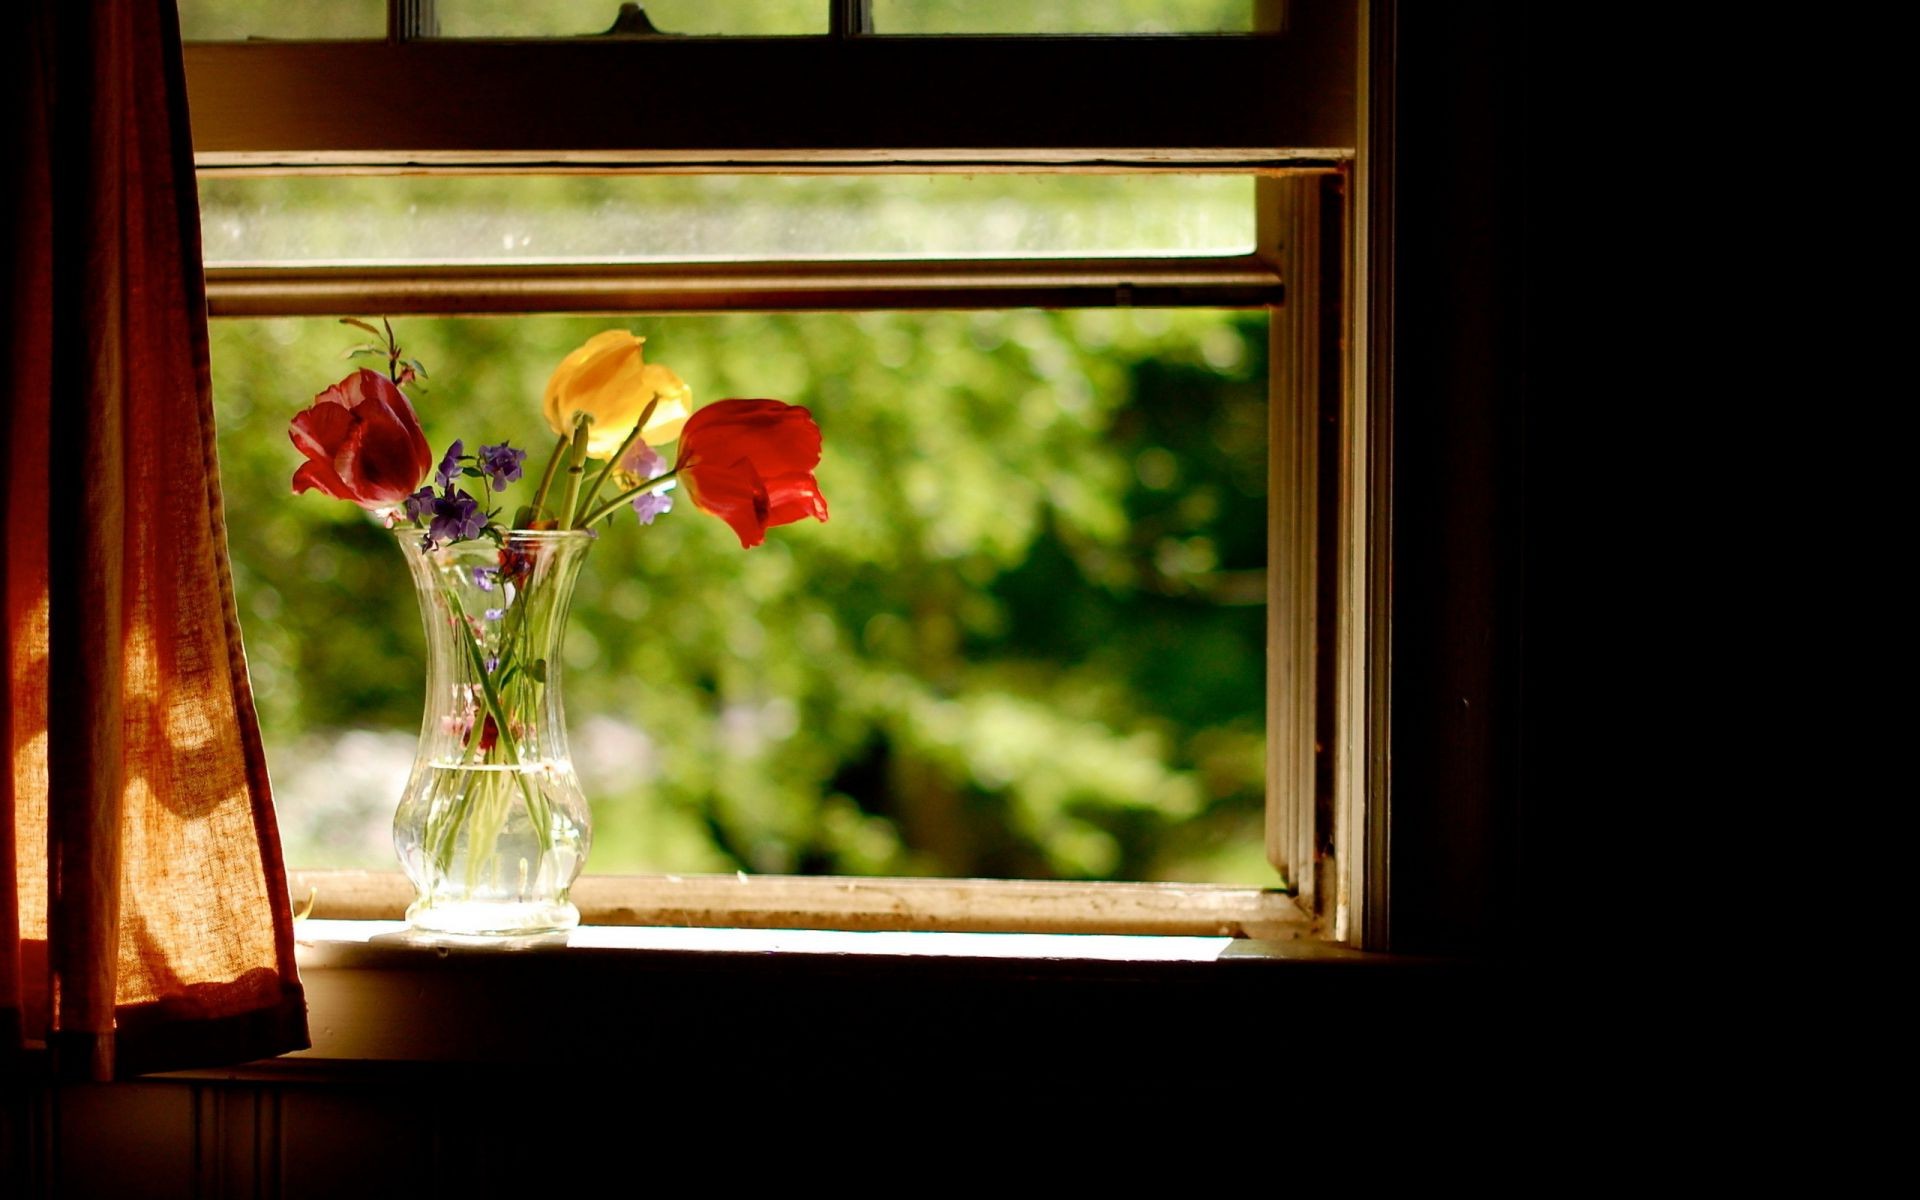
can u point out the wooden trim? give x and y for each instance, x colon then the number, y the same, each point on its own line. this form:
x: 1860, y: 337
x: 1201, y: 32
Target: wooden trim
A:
x: 1258, y: 98
x: 850, y: 18
x: 1289, y: 232
x: 929, y: 905
x: 1240, y: 282
x: 1363, y: 652
x: 409, y: 20
x: 933, y: 160
x: 1381, y: 37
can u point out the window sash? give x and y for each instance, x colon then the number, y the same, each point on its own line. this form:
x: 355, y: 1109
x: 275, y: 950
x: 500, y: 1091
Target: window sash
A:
x: 1280, y: 106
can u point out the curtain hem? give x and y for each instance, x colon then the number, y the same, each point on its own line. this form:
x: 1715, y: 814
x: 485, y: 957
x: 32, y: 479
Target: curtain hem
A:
x: 148, y: 1038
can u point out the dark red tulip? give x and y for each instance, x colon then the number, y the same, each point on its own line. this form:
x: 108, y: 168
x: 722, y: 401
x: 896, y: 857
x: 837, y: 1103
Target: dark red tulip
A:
x: 362, y: 442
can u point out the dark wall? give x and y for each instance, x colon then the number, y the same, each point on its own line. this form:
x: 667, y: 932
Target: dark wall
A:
x: 1468, y: 288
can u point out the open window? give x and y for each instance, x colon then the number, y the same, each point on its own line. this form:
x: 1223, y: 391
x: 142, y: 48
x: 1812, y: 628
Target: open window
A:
x: 1159, y: 229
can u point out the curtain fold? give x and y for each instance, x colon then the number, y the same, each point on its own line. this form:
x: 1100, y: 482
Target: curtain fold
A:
x: 144, y: 917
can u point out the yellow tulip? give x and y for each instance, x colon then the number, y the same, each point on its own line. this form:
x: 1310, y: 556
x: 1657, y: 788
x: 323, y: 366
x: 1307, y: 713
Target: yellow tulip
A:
x: 607, y: 379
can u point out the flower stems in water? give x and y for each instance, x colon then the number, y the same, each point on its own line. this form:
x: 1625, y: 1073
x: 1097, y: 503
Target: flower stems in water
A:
x: 537, y: 809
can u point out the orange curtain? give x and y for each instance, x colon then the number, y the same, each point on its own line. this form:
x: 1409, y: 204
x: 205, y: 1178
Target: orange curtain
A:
x: 144, y: 919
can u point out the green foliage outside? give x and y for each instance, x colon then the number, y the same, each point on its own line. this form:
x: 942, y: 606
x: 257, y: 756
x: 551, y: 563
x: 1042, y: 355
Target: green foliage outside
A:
x: 1030, y: 642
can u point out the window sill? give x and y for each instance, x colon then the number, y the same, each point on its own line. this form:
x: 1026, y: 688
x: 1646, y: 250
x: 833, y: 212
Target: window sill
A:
x: 813, y: 978
x: 384, y: 1002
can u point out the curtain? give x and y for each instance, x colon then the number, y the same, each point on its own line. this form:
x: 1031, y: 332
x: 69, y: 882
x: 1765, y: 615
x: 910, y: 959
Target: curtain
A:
x: 144, y: 918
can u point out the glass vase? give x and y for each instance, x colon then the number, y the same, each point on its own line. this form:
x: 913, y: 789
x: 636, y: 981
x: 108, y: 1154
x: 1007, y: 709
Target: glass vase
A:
x: 493, y: 828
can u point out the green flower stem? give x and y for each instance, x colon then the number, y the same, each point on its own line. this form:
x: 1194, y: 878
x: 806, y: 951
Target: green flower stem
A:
x: 450, y: 830
x: 586, y: 501
x: 612, y: 506
x: 546, y: 479
x: 536, y: 805
x: 442, y: 839
x: 576, y: 466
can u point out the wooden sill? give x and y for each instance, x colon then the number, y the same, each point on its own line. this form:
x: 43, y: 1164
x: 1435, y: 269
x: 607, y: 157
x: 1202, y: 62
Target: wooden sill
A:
x: 616, y: 999
x: 763, y: 902
x: 792, y: 978
x: 619, y: 1002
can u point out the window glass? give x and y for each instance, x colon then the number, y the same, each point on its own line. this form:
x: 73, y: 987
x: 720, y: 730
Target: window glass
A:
x: 237, y: 20
x: 1030, y: 641
x: 640, y: 218
x: 565, y: 18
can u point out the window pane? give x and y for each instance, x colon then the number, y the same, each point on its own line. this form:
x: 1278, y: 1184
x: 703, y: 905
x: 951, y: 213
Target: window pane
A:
x: 237, y: 20
x: 1030, y: 642
x: 1070, y: 16
x: 628, y: 218
x: 567, y: 18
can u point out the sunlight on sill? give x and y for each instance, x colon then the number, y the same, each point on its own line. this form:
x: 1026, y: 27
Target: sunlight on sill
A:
x: 864, y: 904
x: 314, y: 934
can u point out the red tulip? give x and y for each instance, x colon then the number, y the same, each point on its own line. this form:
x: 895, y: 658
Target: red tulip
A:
x: 362, y: 443
x: 750, y: 463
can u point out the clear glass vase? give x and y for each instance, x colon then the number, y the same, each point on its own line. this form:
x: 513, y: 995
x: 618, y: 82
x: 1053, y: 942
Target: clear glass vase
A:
x: 493, y: 828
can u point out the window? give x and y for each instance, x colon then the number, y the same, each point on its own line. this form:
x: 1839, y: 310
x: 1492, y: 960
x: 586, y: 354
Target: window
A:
x: 1245, y: 128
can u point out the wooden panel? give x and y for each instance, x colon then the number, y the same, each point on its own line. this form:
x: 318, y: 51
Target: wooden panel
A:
x: 374, y: 1141
x: 794, y: 902
x: 26, y: 1131
x: 1263, y: 98
x: 239, y: 1141
x: 124, y: 1140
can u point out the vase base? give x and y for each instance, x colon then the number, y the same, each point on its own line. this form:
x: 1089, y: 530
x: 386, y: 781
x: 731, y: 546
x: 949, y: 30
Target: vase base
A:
x: 493, y: 918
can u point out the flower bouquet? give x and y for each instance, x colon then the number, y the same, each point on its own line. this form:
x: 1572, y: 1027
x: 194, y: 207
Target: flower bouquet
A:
x: 493, y: 828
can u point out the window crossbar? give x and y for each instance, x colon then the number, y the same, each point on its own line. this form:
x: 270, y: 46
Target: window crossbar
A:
x: 1236, y: 282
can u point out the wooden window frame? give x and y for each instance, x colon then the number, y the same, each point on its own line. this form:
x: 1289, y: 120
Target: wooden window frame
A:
x: 1282, y: 108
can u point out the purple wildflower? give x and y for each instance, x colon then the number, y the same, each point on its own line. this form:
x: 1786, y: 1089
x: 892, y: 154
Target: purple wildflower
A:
x: 485, y: 578
x: 502, y: 464
x: 494, y: 614
x: 651, y: 505
x: 419, y: 504
x: 643, y: 462
x: 491, y: 663
x: 449, y: 465
x: 456, y: 517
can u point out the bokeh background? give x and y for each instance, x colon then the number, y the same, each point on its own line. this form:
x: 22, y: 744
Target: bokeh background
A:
x: 1029, y: 642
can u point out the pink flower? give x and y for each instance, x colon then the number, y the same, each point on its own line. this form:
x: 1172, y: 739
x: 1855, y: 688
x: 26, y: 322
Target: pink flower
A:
x: 362, y: 442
